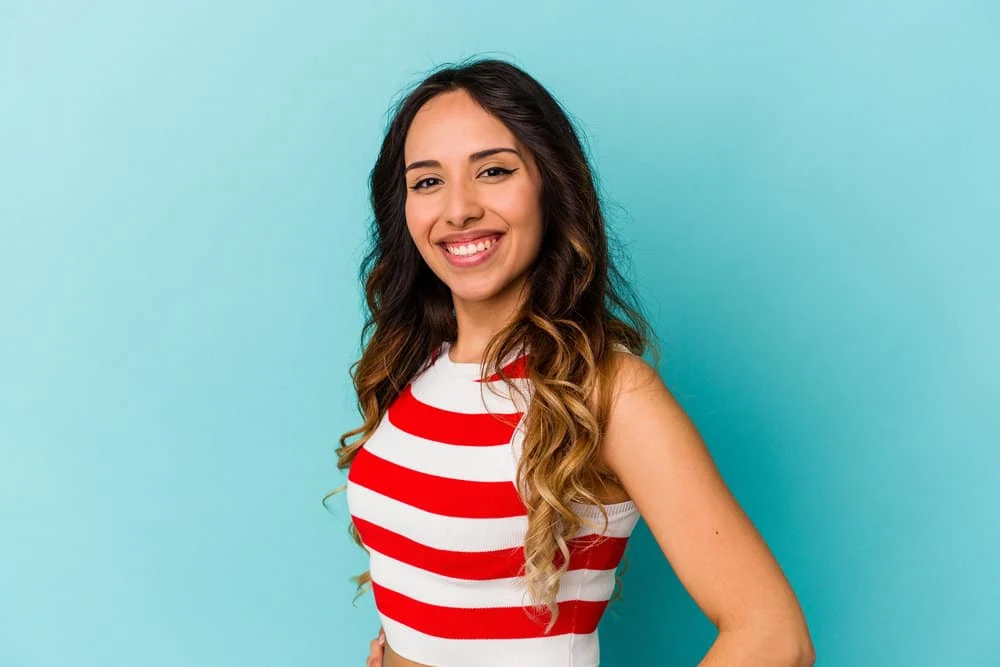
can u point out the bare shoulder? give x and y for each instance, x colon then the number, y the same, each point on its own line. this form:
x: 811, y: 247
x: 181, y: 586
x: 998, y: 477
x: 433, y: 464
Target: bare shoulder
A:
x: 637, y: 388
x: 650, y: 438
x: 632, y: 373
x: 646, y: 425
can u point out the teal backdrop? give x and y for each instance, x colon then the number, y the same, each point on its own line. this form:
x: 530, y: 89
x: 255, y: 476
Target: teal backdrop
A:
x: 810, y: 194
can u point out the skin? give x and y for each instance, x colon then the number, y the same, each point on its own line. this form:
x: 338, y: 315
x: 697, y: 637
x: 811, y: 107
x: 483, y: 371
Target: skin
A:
x: 467, y: 195
x: 650, y: 443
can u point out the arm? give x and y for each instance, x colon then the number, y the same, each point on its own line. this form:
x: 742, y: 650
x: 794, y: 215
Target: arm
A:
x: 718, y: 555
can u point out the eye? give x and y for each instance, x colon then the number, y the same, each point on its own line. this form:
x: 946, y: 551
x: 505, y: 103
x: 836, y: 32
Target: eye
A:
x: 500, y: 171
x: 420, y: 185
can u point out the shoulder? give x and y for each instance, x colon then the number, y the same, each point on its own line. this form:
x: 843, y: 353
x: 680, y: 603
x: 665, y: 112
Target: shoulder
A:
x: 644, y: 415
x: 631, y: 375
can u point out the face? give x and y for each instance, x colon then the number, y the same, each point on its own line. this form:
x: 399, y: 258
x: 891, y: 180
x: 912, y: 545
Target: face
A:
x: 473, y: 199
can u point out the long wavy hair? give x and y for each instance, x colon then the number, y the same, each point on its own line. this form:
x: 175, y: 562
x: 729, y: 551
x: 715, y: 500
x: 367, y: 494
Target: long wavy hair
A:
x: 577, y: 307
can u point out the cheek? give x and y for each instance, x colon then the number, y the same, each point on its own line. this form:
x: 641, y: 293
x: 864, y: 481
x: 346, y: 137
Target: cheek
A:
x: 520, y: 207
x: 419, y: 219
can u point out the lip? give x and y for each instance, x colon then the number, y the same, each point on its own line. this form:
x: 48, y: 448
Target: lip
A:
x: 475, y: 260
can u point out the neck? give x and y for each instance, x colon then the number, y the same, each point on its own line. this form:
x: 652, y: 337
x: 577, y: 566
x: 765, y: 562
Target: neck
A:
x: 479, y: 321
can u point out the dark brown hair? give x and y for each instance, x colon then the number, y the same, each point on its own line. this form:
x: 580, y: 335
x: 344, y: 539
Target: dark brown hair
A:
x: 578, y: 306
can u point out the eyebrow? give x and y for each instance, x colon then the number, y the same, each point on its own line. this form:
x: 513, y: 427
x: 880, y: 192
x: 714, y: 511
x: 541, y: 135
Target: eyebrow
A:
x: 478, y: 155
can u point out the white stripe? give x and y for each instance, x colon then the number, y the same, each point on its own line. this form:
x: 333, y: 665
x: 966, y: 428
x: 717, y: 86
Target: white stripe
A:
x: 468, y: 396
x: 568, y: 649
x: 493, y: 463
x: 436, y: 589
x: 457, y: 533
x: 622, y: 518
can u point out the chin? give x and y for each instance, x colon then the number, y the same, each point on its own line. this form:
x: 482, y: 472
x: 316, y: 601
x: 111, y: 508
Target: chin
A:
x: 474, y: 296
x: 483, y: 291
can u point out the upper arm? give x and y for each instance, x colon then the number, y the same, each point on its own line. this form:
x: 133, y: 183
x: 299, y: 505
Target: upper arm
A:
x: 663, y: 464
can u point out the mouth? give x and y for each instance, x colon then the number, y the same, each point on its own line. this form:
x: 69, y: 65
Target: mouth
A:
x: 471, y: 253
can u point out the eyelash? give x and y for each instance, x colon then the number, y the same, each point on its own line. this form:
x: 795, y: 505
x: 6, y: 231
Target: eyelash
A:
x: 502, y: 170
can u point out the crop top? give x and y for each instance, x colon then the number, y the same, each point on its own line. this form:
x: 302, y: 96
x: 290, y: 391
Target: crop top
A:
x: 432, y: 496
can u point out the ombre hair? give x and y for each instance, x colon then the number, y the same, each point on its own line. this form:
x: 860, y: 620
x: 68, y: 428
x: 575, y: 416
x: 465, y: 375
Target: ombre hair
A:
x: 576, y: 309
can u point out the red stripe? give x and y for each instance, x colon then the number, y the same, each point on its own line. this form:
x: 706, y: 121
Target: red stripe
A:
x: 515, y: 369
x: 589, y: 552
x: 440, y: 495
x: 453, y: 428
x: 579, y: 616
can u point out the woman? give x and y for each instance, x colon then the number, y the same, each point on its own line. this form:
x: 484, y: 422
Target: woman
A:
x: 512, y: 433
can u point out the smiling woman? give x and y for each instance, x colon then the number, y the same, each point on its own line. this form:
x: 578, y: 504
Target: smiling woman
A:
x: 467, y: 206
x: 513, y: 435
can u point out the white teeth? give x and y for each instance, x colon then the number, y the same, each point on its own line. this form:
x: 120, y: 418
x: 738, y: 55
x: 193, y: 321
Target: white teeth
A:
x: 470, y: 248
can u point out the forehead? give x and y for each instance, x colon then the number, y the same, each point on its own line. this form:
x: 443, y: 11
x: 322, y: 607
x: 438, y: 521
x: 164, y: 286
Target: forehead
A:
x: 452, y: 125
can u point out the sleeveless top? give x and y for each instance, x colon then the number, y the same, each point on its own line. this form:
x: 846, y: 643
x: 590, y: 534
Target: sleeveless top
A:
x: 433, y: 498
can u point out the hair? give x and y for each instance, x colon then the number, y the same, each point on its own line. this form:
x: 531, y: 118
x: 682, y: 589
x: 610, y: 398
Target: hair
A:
x: 576, y: 308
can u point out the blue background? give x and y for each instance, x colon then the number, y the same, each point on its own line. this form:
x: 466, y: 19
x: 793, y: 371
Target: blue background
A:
x: 810, y: 195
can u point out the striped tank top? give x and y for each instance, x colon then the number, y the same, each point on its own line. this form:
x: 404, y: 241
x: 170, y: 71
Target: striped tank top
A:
x: 433, y: 498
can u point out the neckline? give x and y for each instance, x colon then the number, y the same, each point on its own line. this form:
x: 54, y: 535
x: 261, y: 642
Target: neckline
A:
x: 469, y: 369
x: 446, y: 352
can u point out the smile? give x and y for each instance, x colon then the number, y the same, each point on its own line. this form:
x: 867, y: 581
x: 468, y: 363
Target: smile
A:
x: 471, y: 253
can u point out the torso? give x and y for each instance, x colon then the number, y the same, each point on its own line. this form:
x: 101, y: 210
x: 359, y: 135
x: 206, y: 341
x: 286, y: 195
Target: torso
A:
x: 392, y: 659
x: 392, y: 444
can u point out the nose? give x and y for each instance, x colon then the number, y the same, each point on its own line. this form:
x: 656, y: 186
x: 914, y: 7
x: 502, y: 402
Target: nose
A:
x: 462, y: 205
